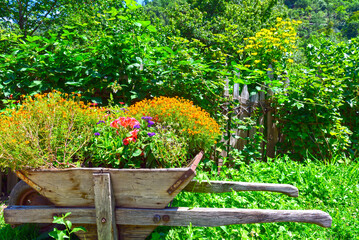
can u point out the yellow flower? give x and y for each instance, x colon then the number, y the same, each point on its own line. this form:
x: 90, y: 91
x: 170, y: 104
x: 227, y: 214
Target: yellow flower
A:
x: 257, y: 61
x: 290, y: 60
x: 254, y: 54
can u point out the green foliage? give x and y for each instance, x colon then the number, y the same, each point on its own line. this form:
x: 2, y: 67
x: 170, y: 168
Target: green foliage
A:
x: 66, y: 233
x: 327, y: 96
x: 253, y: 142
x: 328, y: 17
x: 309, y: 116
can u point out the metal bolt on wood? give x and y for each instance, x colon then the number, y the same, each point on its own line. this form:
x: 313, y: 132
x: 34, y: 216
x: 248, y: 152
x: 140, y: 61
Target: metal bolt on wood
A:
x: 166, y: 218
x: 156, y: 218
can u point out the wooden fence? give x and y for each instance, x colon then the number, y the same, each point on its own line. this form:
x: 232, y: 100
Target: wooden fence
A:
x: 241, y: 105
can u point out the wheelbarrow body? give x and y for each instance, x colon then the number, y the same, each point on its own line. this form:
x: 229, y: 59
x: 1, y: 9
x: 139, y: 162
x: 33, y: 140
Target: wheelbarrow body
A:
x: 131, y: 203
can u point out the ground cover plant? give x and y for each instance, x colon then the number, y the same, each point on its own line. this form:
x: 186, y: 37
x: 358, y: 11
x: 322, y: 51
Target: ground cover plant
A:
x: 332, y: 187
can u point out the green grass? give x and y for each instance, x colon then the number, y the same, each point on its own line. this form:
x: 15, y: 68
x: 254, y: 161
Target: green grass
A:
x: 333, y: 188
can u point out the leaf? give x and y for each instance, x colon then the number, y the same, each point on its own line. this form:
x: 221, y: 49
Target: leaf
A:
x: 32, y: 39
x: 123, y: 18
x: 137, y: 153
x: 77, y: 84
x: 76, y: 229
x: 68, y: 223
x: 144, y: 23
x: 138, y: 24
x: 35, y: 84
x: 151, y: 28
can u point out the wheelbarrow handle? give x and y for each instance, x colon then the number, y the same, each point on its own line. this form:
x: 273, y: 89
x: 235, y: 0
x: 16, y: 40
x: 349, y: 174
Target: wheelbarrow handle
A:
x: 223, y: 186
x: 182, y: 216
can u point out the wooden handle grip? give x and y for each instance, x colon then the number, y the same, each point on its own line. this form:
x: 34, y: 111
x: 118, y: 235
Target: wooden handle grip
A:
x: 223, y: 186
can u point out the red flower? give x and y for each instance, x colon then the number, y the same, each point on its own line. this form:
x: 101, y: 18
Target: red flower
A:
x: 125, y: 122
x: 114, y: 124
x: 134, y: 133
x: 127, y: 140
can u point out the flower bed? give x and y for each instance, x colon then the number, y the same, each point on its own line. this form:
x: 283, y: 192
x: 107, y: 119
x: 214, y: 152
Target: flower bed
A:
x: 55, y: 130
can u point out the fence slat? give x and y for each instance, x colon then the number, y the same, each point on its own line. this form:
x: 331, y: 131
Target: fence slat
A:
x: 244, y: 100
x: 253, y: 100
x: 272, y: 133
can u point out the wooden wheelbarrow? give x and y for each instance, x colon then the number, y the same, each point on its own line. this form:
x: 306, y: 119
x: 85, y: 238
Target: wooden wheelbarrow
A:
x: 131, y: 203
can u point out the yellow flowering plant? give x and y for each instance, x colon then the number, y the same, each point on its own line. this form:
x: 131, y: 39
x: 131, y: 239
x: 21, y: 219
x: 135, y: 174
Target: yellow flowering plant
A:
x: 268, y: 46
x: 47, y: 130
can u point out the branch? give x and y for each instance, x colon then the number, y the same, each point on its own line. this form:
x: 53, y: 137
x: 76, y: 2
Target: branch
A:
x: 53, y: 5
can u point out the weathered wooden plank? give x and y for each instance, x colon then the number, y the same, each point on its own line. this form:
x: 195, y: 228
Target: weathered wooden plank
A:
x: 261, y: 119
x: 105, y: 207
x: 204, y: 217
x: 133, y: 232
x: 225, y: 112
x: 222, y: 186
x: 146, y: 188
x: 254, y: 104
x: 233, y: 140
x: 244, y: 114
x: 272, y: 133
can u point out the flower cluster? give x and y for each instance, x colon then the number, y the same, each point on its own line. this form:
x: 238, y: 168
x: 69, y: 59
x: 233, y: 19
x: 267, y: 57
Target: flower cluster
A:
x: 271, y: 45
x: 189, y: 121
x: 136, y: 143
x: 125, y: 122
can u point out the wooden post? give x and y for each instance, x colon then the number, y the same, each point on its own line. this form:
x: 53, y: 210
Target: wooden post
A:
x: 225, y: 111
x: 272, y: 133
x: 234, y: 140
x: 105, y: 207
x: 244, y: 113
x: 254, y: 104
x: 261, y: 119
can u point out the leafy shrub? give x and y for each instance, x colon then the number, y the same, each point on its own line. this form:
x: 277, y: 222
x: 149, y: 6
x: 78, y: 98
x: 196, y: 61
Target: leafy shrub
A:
x: 48, y: 130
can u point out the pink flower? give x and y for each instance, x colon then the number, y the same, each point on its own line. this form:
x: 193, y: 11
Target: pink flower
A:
x: 125, y: 122
x: 114, y: 124
x: 134, y: 133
